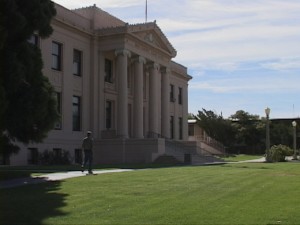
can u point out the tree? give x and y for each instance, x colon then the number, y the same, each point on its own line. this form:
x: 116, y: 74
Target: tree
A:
x: 281, y: 132
x: 216, y: 126
x: 27, y: 101
x: 250, y: 132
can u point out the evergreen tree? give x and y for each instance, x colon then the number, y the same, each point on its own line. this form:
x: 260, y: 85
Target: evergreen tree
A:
x: 27, y: 101
x: 216, y: 127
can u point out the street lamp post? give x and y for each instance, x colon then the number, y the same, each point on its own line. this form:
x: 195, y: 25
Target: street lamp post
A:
x: 268, y: 156
x: 294, y: 124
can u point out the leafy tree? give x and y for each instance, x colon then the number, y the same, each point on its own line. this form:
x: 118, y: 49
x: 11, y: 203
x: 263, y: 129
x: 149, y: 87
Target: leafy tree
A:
x: 250, y: 132
x: 27, y: 101
x: 281, y: 132
x: 216, y: 126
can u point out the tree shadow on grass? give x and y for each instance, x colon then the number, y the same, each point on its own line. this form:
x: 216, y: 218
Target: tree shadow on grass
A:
x: 31, y: 204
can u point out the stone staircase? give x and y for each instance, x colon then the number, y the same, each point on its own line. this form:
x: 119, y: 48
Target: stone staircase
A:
x: 188, y: 152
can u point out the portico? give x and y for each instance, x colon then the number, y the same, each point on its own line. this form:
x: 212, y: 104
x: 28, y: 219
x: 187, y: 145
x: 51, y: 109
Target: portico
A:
x: 141, y: 66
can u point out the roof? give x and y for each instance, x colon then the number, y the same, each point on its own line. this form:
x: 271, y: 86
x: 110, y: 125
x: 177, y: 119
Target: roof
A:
x: 100, y: 18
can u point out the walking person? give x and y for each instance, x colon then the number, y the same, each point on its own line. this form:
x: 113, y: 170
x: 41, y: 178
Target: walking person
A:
x: 87, y: 147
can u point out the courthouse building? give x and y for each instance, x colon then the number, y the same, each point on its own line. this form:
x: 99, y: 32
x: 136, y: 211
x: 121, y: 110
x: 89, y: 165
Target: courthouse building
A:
x: 117, y: 80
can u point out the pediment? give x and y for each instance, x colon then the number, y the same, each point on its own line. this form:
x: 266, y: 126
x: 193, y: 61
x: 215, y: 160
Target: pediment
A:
x: 151, y: 34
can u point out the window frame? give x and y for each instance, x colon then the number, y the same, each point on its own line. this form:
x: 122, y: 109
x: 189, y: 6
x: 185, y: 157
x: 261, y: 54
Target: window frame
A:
x: 57, y: 56
x: 180, y: 95
x: 76, y: 118
x: 172, y: 98
x: 77, y: 63
x: 108, y: 70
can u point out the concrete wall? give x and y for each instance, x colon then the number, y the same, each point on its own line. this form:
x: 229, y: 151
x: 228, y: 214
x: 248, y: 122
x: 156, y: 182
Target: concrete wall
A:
x: 127, y: 150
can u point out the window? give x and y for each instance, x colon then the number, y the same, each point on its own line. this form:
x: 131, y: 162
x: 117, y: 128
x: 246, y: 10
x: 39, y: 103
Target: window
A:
x: 180, y: 128
x: 77, y: 61
x: 172, y: 127
x: 191, y: 130
x: 78, y: 156
x: 59, y: 110
x: 108, y: 114
x: 56, y: 56
x: 34, y: 39
x: 76, y: 113
x: 108, y: 71
x: 172, y: 99
x: 180, y: 95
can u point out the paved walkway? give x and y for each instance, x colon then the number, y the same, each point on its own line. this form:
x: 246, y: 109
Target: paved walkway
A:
x: 71, y: 174
x: 54, y: 177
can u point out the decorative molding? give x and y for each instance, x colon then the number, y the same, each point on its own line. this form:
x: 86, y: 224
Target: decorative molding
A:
x: 153, y: 65
x: 165, y: 70
x: 139, y: 59
x: 123, y: 52
x: 149, y: 37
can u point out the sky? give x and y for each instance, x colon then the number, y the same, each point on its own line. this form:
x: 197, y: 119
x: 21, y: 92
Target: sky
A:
x: 242, y: 55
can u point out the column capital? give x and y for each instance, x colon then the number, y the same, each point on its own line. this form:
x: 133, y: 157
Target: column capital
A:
x: 139, y: 59
x: 166, y: 70
x: 153, y: 65
x: 123, y: 52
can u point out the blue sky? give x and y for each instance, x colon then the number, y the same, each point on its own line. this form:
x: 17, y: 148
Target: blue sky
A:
x: 243, y: 55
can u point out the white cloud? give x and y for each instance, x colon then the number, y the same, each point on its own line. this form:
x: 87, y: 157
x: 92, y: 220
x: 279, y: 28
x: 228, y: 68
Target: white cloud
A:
x: 283, y: 64
x: 266, y: 84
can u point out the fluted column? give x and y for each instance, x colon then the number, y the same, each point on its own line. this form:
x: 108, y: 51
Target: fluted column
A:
x: 138, y: 122
x: 121, y: 72
x: 153, y: 99
x: 165, y: 103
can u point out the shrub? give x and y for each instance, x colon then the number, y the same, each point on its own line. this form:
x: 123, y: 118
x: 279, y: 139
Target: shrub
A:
x: 279, y: 152
x: 52, y: 158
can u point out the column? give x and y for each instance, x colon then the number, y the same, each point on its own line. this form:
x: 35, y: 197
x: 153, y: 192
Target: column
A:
x: 153, y: 99
x: 185, y: 128
x: 138, y: 122
x: 121, y: 72
x: 93, y: 117
x: 165, y: 103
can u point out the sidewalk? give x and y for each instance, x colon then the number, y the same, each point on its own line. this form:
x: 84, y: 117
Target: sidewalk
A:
x: 71, y: 174
x: 54, y: 177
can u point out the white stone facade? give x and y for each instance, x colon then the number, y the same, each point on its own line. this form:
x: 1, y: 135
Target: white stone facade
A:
x: 117, y: 80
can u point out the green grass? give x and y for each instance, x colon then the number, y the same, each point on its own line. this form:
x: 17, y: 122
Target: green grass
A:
x: 247, y: 193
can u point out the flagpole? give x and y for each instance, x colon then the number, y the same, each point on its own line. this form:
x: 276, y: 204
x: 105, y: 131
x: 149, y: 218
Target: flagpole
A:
x: 146, y: 11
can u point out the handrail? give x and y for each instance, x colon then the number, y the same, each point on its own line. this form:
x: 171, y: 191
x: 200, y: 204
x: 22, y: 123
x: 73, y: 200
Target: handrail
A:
x: 211, y: 142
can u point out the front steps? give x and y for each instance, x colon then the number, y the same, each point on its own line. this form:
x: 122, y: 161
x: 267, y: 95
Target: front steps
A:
x: 188, y: 152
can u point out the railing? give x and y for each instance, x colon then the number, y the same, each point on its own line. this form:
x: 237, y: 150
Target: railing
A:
x: 211, y: 142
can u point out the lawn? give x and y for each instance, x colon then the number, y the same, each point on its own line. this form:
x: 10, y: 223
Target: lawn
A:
x: 247, y: 193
